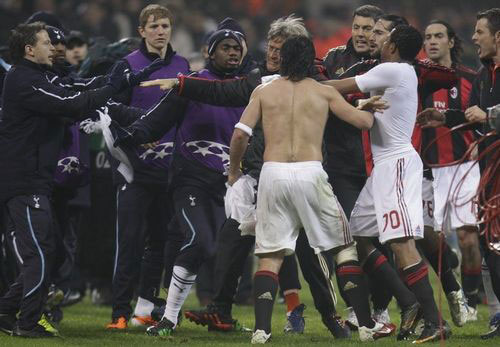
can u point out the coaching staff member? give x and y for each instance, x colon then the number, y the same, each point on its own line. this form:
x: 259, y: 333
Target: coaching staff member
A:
x: 31, y: 134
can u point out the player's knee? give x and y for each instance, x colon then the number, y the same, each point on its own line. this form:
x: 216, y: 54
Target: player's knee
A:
x: 347, y: 254
x: 203, y: 251
x: 468, y: 240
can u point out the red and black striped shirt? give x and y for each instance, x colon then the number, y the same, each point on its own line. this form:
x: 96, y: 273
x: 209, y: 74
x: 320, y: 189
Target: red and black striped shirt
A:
x: 439, y: 145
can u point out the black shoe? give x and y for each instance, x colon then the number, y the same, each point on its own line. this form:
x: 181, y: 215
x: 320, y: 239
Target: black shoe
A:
x: 54, y: 297
x: 159, y: 311
x: 71, y: 297
x: 158, y: 302
x: 409, y: 319
x: 37, y: 332
x: 432, y: 333
x: 495, y: 332
x: 54, y: 315
x: 7, y: 322
x: 164, y: 328
x: 337, y: 327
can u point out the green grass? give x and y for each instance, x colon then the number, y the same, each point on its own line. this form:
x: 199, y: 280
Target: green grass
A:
x: 84, y: 323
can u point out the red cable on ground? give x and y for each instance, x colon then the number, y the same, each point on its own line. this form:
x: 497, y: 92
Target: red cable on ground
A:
x: 487, y: 197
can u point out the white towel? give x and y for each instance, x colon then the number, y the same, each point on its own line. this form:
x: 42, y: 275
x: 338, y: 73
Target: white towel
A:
x: 125, y: 168
x: 240, y: 203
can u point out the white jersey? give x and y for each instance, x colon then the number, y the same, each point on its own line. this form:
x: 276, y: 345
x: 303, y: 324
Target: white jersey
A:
x: 391, y: 132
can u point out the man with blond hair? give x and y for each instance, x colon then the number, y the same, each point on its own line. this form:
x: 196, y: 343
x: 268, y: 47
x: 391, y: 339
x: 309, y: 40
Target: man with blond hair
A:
x: 143, y: 206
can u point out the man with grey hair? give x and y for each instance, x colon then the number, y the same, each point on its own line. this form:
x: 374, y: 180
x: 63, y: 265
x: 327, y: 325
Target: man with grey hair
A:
x: 279, y: 31
x: 232, y: 246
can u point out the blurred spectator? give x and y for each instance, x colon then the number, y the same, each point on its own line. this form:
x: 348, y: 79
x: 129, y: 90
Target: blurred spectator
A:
x: 48, y: 18
x: 328, y: 21
x: 330, y: 29
x: 95, y: 19
x: 77, y: 47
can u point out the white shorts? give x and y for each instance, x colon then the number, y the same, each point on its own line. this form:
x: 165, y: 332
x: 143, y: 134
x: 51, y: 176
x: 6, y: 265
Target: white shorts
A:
x: 292, y: 196
x: 454, y: 188
x: 390, y: 204
x: 239, y: 203
x: 428, y: 202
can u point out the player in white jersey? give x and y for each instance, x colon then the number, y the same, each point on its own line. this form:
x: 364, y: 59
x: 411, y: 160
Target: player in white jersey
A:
x: 390, y: 204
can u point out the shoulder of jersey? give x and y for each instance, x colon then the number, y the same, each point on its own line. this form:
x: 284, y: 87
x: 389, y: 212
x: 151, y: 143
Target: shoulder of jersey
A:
x: 466, y: 72
x: 195, y: 73
x: 337, y: 50
x: 183, y: 59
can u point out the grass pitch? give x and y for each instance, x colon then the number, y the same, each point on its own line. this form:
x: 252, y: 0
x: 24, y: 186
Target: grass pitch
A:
x: 84, y: 323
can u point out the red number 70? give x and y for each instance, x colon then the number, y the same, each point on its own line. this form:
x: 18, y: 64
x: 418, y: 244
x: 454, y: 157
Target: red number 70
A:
x: 393, y: 217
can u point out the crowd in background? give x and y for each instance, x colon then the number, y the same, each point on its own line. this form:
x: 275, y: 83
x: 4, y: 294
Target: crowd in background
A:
x: 91, y: 36
x: 327, y: 20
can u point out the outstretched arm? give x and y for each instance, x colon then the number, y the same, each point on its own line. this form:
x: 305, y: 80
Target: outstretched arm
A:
x: 229, y: 93
x: 78, y: 83
x: 154, y: 123
x: 241, y: 135
x: 345, y: 111
x: 344, y: 86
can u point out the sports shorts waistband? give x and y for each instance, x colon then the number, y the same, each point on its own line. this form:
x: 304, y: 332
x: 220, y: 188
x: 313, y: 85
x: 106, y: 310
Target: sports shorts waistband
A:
x: 293, y: 165
x: 400, y: 154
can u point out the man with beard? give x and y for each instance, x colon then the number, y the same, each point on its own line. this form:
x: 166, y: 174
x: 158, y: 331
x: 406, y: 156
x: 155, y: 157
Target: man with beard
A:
x: 394, y: 215
x: 431, y: 78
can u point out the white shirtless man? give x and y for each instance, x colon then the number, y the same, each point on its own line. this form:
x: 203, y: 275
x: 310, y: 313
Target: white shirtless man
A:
x: 293, y: 188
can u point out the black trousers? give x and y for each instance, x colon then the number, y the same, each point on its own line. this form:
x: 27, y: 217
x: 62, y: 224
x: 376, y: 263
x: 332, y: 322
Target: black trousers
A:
x: 9, y: 265
x: 200, y: 215
x: 346, y: 188
x: 96, y: 241
x: 67, y: 220
x: 141, y: 231
x: 205, y: 280
x: 233, y: 249
x: 32, y: 219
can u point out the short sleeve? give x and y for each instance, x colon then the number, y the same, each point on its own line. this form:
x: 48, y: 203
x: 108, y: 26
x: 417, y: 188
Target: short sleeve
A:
x: 382, y: 76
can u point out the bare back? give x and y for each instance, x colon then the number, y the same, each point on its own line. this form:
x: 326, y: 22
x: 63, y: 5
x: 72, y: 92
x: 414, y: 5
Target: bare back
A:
x: 294, y: 115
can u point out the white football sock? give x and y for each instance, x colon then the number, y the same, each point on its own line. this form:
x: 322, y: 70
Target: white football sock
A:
x: 493, y: 304
x: 143, y: 307
x: 180, y: 285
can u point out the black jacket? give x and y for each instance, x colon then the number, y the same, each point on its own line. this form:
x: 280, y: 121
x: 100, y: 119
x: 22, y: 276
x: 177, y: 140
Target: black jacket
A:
x: 31, y: 129
x: 485, y: 93
x: 344, y: 142
x: 339, y: 59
